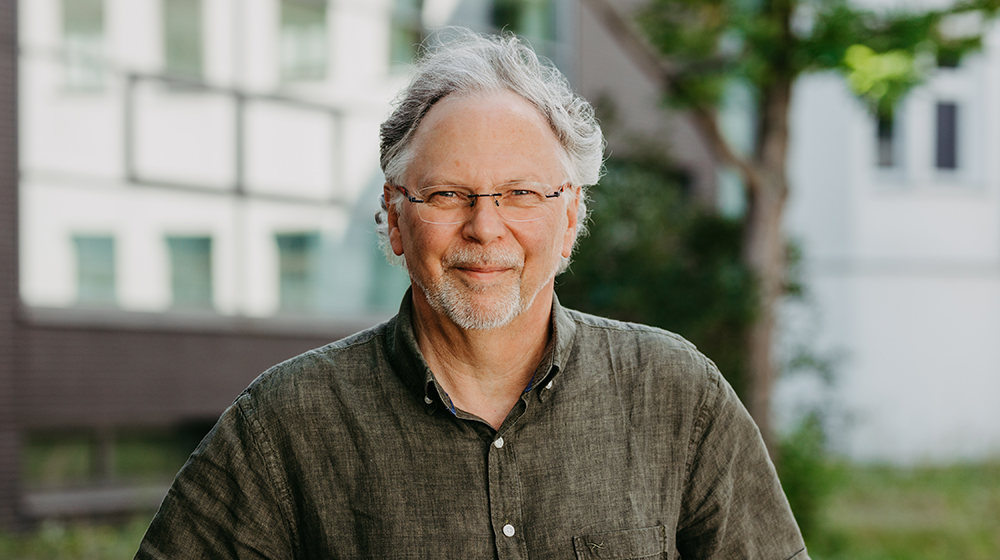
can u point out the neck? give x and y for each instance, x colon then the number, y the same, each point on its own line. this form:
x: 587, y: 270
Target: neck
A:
x: 483, y: 371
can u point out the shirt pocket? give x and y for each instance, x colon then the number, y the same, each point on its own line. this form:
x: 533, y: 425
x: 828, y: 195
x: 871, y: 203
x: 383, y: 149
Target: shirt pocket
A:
x: 650, y: 542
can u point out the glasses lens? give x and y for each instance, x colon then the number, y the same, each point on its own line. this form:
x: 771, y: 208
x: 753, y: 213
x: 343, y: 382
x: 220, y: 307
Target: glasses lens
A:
x: 445, y: 204
x: 515, y: 202
x: 524, y: 202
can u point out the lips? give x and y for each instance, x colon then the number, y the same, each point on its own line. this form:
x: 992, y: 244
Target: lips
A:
x: 484, y: 269
x: 482, y: 262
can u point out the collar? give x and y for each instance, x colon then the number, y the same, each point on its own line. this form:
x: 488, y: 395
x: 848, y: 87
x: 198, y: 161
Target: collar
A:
x: 406, y: 359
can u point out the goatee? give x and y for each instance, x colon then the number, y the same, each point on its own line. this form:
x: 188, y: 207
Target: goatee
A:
x: 475, y: 306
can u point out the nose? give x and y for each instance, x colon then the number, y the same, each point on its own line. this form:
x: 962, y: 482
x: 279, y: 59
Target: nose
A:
x: 485, y: 224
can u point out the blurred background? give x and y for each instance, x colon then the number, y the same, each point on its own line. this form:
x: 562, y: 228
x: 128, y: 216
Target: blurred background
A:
x: 187, y: 191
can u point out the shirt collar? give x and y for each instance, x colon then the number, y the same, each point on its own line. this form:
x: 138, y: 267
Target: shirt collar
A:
x: 408, y: 361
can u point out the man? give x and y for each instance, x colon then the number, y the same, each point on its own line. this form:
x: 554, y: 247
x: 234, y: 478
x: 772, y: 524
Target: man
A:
x: 484, y: 420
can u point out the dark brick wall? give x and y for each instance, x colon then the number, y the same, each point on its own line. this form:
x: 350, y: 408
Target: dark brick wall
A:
x: 86, y: 376
x: 9, y: 297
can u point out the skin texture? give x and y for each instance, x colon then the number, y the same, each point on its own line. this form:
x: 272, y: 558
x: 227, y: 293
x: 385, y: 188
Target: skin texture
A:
x: 483, y: 140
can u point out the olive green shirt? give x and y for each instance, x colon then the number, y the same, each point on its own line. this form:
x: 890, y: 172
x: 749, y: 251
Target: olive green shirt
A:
x: 628, y: 443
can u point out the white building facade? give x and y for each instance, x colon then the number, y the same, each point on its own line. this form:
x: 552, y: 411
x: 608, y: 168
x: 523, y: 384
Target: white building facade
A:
x: 207, y: 155
x: 899, y: 224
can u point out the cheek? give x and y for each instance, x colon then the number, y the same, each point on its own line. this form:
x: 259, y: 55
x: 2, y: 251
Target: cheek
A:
x: 426, y: 244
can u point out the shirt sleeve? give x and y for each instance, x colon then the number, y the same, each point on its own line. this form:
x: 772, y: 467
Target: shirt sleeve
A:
x: 225, y: 502
x: 733, y: 505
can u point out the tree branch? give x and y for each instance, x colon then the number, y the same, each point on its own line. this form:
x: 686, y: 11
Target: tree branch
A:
x: 708, y: 123
x: 629, y: 37
x: 633, y: 42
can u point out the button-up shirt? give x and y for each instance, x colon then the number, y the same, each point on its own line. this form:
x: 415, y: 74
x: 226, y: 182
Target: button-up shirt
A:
x: 627, y: 443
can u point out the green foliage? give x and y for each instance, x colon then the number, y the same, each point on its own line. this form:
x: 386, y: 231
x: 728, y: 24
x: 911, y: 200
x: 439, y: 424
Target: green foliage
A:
x: 78, y: 541
x: 878, y: 77
x: 887, y: 513
x: 768, y: 42
x: 806, y: 474
x: 656, y: 258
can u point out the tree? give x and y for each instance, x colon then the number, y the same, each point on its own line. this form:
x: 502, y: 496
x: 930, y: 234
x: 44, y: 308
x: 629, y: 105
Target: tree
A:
x: 657, y: 258
x: 698, y: 48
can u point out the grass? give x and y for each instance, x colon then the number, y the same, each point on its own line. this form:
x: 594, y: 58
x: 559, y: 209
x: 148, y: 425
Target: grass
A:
x: 77, y: 541
x: 886, y: 513
x: 873, y: 513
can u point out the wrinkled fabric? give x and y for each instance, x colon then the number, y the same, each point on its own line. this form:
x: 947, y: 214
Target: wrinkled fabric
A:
x: 628, y: 443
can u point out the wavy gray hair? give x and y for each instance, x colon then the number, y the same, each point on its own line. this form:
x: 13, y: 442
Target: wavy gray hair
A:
x: 463, y: 62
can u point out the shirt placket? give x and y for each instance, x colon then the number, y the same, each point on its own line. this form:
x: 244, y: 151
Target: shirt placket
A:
x: 506, y: 498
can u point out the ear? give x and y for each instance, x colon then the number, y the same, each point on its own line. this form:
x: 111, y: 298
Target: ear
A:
x: 572, y: 207
x: 392, y: 219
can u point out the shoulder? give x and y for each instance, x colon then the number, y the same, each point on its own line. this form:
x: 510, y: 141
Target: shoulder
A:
x: 320, y: 374
x: 640, y: 347
x: 652, y: 369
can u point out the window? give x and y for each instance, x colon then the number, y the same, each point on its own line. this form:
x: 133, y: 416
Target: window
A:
x: 303, y: 40
x: 191, y: 271
x: 182, y: 38
x: 407, y: 30
x: 948, y: 58
x: 532, y: 19
x: 886, y: 140
x: 298, y: 263
x: 83, y: 40
x: 95, y: 269
x: 947, y: 135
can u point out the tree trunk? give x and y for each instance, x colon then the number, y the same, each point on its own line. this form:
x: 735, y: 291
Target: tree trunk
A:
x: 764, y: 248
x: 766, y: 185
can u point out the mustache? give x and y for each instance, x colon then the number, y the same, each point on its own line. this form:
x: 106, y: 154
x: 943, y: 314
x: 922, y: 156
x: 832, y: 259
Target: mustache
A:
x: 470, y: 256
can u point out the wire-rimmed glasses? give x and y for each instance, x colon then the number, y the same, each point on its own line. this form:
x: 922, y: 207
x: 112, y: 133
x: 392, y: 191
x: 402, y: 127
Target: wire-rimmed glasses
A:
x: 521, y: 201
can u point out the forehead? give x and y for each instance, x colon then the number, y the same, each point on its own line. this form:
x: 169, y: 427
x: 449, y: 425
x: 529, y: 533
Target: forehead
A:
x: 485, y: 138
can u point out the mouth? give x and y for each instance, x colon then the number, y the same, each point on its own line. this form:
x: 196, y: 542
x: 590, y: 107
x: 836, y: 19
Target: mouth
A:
x: 483, y: 273
x: 482, y: 266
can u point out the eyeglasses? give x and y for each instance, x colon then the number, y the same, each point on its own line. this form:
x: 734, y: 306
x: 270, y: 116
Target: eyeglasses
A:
x: 522, y: 201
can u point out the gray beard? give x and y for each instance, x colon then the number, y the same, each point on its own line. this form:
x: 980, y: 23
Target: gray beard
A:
x: 457, y: 300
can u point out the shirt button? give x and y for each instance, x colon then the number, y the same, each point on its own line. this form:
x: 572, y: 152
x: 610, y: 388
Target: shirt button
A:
x: 508, y: 530
x: 428, y: 400
x: 498, y: 444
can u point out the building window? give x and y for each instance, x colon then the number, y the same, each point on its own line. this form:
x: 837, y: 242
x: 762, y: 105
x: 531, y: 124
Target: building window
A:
x: 947, y: 135
x: 886, y: 140
x: 191, y: 271
x: 183, y: 38
x: 298, y: 263
x: 303, y: 40
x: 83, y: 42
x: 407, y: 31
x: 949, y: 58
x: 95, y: 269
x: 532, y: 19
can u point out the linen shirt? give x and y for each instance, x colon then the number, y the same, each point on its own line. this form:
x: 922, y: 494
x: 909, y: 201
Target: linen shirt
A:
x: 627, y: 443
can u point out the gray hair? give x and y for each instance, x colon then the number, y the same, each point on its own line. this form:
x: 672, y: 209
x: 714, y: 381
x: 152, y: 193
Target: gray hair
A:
x: 467, y: 63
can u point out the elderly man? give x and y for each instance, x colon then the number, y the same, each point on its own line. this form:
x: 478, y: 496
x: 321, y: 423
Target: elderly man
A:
x: 484, y: 420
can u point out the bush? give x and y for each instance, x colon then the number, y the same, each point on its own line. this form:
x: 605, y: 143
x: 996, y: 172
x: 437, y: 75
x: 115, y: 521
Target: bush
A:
x: 657, y: 258
x: 807, y: 474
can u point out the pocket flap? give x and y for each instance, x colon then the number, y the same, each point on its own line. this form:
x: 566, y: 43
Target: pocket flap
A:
x: 635, y: 543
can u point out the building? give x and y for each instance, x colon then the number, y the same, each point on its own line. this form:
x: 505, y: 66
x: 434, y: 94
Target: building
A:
x: 197, y: 182
x: 899, y: 223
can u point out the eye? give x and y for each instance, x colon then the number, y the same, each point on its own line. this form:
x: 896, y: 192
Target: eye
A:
x: 445, y: 195
x: 523, y: 190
